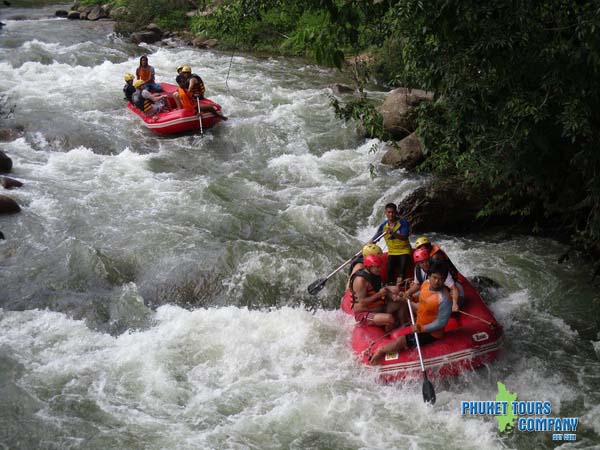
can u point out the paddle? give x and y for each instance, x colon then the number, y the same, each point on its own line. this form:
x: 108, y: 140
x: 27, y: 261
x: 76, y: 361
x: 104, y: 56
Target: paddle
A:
x: 490, y: 324
x: 428, y: 391
x: 200, y: 116
x: 316, y: 286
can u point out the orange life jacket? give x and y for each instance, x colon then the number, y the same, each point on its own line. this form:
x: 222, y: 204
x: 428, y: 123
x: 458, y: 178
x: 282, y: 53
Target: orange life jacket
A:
x: 144, y: 73
x: 429, y: 304
x: 186, y: 100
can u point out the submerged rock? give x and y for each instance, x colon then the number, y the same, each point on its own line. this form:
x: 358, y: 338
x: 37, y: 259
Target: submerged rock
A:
x: 5, y: 163
x: 9, y: 183
x: 8, y: 205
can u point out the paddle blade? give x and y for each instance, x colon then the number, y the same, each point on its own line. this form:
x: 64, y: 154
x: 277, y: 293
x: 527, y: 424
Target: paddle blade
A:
x: 428, y: 390
x: 316, y: 286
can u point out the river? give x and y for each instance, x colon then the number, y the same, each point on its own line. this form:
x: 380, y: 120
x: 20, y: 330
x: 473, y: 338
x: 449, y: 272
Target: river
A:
x: 153, y: 290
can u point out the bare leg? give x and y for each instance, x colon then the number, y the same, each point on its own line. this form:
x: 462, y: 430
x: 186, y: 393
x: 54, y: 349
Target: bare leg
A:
x: 392, y: 347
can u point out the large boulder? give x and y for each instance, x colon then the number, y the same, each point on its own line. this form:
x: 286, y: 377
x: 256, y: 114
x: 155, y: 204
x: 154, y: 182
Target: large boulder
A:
x: 444, y: 207
x: 407, y: 154
x: 73, y: 15
x: 8, y: 205
x: 395, y: 108
x: 61, y: 13
x: 5, y: 163
x: 96, y: 13
x: 149, y: 37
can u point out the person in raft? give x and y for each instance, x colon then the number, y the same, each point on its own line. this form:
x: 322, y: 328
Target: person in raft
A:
x: 194, y: 87
x: 358, y: 263
x: 146, y: 101
x: 433, y: 311
x: 129, y: 88
x: 437, y: 254
x: 422, y: 262
x: 373, y: 303
x: 145, y: 72
x: 396, y: 231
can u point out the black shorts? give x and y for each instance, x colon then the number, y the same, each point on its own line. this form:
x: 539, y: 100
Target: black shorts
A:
x: 424, y: 339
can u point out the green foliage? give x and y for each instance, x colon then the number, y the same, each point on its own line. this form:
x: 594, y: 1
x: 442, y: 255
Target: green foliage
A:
x: 169, y: 14
x: 517, y: 102
x: 363, y: 111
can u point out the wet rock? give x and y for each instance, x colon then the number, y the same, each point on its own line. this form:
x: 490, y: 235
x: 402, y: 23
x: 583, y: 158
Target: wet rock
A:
x: 210, y: 43
x: 96, y: 13
x: 61, y: 13
x: 201, y: 42
x: 9, y: 183
x: 5, y: 163
x: 407, y: 154
x: 10, y: 134
x: 8, y: 205
x: 395, y: 108
x: 149, y: 37
x: 155, y: 29
x: 73, y: 15
x: 2, y: 235
x: 341, y: 89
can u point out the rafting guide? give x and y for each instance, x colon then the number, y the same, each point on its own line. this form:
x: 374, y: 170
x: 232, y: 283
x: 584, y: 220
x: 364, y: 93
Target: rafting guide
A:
x: 528, y: 415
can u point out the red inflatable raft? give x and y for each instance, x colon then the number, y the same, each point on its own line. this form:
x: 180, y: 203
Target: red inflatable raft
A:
x: 470, y: 341
x: 177, y: 120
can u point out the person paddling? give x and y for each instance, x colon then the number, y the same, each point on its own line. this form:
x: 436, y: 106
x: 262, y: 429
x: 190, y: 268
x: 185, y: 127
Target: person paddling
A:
x: 195, y: 89
x: 396, y: 231
x: 433, y: 311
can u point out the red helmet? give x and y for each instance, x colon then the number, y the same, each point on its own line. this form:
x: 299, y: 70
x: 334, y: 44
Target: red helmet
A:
x: 420, y: 254
x: 372, y: 261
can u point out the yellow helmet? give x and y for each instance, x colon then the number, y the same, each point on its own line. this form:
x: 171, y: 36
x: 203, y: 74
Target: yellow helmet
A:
x: 421, y: 241
x: 128, y: 77
x: 187, y: 69
x: 371, y: 249
x: 138, y: 83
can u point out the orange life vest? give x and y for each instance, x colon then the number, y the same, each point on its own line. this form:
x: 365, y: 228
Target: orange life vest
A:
x: 144, y: 73
x: 186, y: 100
x: 429, y: 304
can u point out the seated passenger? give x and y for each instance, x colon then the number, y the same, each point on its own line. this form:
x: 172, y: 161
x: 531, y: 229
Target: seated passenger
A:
x: 195, y: 88
x: 436, y: 253
x: 369, y: 296
x: 128, y: 89
x: 145, y: 73
x: 184, y: 96
x: 146, y: 101
x: 357, y: 263
x: 433, y: 311
x: 422, y: 260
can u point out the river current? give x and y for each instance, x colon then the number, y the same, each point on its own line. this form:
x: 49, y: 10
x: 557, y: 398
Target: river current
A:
x: 153, y: 290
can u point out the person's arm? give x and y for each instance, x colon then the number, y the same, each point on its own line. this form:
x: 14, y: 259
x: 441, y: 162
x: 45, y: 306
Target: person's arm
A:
x: 444, y: 311
x: 360, y: 286
x: 378, y: 232
x: 404, y: 230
